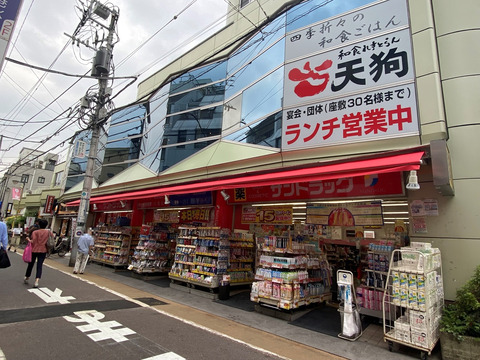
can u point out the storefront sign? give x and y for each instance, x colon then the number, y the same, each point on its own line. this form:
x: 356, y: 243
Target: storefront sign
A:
x: 195, y: 215
x: 385, y: 184
x: 49, y: 204
x: 8, y: 15
x: 123, y: 205
x: 356, y: 118
x: 267, y: 215
x: 194, y: 199
x: 354, y: 214
x: 166, y: 216
x: 340, y: 83
x: 347, y: 28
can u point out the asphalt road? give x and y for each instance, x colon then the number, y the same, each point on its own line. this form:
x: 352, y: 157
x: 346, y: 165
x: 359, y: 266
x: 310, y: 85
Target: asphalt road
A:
x: 69, y: 318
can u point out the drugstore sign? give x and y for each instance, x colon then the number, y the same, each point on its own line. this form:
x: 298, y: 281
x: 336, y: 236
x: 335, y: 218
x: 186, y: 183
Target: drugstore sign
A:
x: 267, y: 215
x: 384, y: 184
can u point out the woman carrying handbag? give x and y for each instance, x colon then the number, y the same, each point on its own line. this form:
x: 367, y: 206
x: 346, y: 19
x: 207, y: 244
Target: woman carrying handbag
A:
x: 39, y: 251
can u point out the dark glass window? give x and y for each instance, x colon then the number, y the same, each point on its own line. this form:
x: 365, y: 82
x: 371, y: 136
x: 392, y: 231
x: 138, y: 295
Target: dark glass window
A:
x: 267, y: 132
x: 198, y: 77
x: 256, y: 45
x: 263, y: 98
x: 193, y: 125
x: 262, y: 65
x: 41, y: 180
x: 172, y: 155
x: 199, y: 97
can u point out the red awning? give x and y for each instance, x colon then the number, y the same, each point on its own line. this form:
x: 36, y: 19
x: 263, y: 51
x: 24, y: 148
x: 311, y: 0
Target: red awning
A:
x: 391, y: 163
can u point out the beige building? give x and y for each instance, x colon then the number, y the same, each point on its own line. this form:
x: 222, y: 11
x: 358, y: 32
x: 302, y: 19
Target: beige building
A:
x: 434, y: 66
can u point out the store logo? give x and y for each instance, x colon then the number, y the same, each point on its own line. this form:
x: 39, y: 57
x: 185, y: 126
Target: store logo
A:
x: 371, y: 180
x: 310, y: 82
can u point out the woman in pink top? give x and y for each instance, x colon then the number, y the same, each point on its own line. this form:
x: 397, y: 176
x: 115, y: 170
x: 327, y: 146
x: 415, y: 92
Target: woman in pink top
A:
x: 39, y: 250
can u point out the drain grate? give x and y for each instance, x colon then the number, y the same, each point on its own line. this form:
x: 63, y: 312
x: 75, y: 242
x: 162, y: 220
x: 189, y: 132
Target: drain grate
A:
x: 151, y: 301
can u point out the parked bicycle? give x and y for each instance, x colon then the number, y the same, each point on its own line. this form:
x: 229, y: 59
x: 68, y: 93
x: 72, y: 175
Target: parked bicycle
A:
x: 62, y: 246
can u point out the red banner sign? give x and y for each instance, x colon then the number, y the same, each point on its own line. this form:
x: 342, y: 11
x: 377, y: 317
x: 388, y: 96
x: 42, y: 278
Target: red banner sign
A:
x: 49, y: 204
x: 387, y: 184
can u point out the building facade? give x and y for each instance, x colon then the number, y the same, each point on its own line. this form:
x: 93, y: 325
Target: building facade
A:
x: 293, y: 91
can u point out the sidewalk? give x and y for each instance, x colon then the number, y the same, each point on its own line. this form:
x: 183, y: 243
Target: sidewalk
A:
x: 237, y: 319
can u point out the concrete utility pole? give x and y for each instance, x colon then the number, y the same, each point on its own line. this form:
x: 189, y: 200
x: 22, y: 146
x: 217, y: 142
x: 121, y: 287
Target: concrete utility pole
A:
x: 101, y: 68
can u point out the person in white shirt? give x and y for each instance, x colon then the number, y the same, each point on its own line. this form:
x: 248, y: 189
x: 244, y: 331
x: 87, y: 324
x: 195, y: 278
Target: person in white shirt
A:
x: 85, y: 245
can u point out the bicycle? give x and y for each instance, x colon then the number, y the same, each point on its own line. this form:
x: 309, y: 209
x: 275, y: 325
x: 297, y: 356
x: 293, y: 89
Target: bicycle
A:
x: 62, y: 245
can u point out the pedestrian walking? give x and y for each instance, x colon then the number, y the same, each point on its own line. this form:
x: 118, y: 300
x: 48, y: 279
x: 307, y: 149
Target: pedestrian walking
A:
x: 4, y: 260
x: 85, y: 245
x: 39, y: 250
x: 4, y: 235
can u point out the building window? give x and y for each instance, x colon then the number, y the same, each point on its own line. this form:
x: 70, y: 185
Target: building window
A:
x: 24, y: 179
x: 244, y: 3
x: 41, y: 180
x: 58, y: 178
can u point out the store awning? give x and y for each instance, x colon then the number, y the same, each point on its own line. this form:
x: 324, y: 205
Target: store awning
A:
x: 360, y: 167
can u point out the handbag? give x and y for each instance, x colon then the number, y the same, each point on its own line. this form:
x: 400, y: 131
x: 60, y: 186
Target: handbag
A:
x: 4, y: 260
x: 27, y: 253
x: 50, y: 241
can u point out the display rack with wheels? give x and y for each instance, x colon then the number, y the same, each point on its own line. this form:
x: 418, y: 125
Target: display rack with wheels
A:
x: 112, y: 247
x: 413, y: 300
x: 283, y: 274
x: 152, y: 253
x: 201, y: 257
x: 241, y: 259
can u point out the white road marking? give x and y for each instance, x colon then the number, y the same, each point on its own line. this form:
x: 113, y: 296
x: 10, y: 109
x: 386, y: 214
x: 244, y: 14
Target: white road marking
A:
x: 104, y: 330
x: 51, y: 296
x: 166, y: 356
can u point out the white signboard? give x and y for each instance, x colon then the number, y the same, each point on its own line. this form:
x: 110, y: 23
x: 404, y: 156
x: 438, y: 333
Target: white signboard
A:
x: 338, y: 31
x: 374, y: 115
x: 80, y: 149
x: 357, y: 67
x: 350, y: 79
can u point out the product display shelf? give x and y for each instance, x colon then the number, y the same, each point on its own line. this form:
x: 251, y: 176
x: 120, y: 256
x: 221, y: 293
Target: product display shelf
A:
x: 152, y: 253
x: 413, y: 300
x: 201, y: 257
x: 111, y: 247
x: 284, y: 277
x: 376, y: 272
x: 242, y: 258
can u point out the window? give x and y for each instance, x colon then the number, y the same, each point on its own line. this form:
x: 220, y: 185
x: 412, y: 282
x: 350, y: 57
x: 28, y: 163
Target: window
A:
x: 24, y: 179
x: 41, y: 180
x: 244, y: 3
x: 58, y: 178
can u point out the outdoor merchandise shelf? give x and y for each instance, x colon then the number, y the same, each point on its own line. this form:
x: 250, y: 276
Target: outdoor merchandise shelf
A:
x: 414, y: 298
x: 112, y: 247
x: 201, y: 256
x: 152, y: 254
x: 290, y: 274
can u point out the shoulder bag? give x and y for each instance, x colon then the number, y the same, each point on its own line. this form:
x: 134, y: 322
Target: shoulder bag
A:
x: 4, y: 260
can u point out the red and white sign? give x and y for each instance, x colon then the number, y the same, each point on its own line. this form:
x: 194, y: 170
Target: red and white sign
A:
x: 16, y: 193
x: 385, y: 184
x: 49, y: 204
x: 354, y: 82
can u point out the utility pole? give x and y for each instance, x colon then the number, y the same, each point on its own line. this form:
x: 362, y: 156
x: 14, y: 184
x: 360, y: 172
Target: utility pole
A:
x: 100, y: 68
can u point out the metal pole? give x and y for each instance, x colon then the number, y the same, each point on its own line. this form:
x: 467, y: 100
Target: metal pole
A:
x: 96, y: 120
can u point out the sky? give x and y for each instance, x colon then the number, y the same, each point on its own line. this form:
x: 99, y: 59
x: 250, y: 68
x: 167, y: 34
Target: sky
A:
x: 35, y: 105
